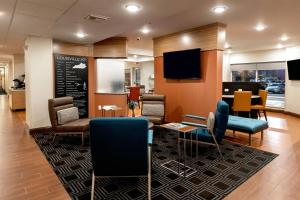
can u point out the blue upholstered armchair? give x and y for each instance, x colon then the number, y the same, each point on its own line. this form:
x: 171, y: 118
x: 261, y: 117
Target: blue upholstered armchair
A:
x: 120, y: 147
x: 214, y: 131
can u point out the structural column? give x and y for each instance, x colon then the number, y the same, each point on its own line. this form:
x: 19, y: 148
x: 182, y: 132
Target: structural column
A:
x: 39, y: 80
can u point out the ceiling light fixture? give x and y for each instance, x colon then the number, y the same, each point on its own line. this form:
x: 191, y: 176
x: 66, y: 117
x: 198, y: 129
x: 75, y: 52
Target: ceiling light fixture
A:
x: 133, y: 8
x: 135, y: 56
x: 279, y: 46
x: 81, y: 35
x: 284, y: 38
x: 1, y: 13
x: 219, y: 9
x: 260, y: 27
x: 226, y: 46
x: 145, y: 30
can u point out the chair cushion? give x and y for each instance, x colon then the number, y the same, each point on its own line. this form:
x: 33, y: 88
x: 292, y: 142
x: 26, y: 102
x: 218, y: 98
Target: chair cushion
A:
x: 67, y: 115
x: 80, y: 125
x: 247, y: 125
x: 153, y: 110
x: 210, y: 121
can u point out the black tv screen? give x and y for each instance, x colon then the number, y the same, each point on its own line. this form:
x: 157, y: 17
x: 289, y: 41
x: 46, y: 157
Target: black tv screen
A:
x: 182, y: 64
x: 294, y: 69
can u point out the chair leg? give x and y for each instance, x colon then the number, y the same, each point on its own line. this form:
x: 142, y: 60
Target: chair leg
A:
x: 249, y: 139
x: 93, y: 187
x: 258, y: 111
x: 262, y: 135
x: 82, y: 139
x: 53, y: 137
x: 265, y: 113
x: 149, y: 173
x: 218, y: 147
x: 233, y: 133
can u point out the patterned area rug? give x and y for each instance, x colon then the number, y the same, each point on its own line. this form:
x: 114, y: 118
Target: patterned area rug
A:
x: 207, y: 176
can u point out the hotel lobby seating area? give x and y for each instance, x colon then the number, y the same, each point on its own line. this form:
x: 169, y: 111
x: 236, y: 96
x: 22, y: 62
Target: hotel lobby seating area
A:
x: 156, y: 100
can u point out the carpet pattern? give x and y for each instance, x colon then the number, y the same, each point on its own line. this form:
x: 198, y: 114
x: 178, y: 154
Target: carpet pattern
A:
x: 212, y: 178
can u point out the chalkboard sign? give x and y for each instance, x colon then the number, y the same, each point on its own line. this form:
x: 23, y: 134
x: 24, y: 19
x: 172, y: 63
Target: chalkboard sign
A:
x: 71, y: 79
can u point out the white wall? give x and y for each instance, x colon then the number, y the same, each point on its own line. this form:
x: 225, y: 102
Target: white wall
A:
x: 19, y: 65
x: 292, y: 90
x: 39, y: 80
x: 146, y: 71
x: 292, y: 102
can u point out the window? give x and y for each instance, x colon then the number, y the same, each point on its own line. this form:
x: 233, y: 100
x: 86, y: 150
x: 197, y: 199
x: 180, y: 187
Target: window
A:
x: 271, y: 74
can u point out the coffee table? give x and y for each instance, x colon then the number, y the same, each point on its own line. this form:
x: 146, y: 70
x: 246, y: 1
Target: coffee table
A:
x: 184, y: 129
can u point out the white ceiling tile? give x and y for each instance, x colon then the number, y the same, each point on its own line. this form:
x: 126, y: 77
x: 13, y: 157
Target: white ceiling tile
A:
x: 38, y: 10
x: 31, y: 25
x: 58, y: 4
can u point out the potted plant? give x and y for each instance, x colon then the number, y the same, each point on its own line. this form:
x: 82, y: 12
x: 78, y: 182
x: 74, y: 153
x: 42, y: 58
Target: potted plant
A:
x: 131, y: 106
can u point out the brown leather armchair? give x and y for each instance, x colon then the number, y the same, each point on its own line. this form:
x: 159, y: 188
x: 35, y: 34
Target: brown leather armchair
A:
x: 78, y: 126
x: 153, y: 108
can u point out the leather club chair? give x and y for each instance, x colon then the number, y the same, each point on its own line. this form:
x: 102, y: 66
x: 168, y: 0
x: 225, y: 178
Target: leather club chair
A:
x: 78, y: 126
x: 153, y: 108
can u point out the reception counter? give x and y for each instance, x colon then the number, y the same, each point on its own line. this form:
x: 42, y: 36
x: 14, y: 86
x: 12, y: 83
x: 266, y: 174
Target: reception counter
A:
x: 16, y: 99
x: 118, y: 99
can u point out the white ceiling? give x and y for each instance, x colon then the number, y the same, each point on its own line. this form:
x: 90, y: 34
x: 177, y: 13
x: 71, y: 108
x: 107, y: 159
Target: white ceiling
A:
x: 60, y: 19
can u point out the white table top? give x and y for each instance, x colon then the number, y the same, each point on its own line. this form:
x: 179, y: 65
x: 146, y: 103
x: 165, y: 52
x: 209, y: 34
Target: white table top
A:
x: 109, y: 107
x: 232, y: 96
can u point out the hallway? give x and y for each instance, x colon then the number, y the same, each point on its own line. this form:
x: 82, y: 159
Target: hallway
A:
x: 24, y: 171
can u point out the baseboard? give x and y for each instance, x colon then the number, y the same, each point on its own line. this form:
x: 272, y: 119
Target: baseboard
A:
x: 292, y: 114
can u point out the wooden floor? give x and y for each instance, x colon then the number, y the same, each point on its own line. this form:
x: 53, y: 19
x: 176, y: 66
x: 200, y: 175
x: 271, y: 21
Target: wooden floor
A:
x: 26, y: 174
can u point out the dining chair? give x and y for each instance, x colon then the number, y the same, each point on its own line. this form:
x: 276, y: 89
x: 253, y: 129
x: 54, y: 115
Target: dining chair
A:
x: 134, y: 95
x: 120, y: 147
x: 262, y: 106
x: 242, y: 102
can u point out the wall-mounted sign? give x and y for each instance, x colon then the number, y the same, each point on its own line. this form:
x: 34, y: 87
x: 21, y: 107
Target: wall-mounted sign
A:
x: 71, y: 79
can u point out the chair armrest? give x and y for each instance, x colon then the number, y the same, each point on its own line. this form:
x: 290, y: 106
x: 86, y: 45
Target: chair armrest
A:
x: 150, y: 137
x: 196, y: 117
x: 194, y: 124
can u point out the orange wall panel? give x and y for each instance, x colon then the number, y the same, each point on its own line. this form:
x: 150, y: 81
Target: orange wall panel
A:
x: 191, y: 96
x: 119, y: 100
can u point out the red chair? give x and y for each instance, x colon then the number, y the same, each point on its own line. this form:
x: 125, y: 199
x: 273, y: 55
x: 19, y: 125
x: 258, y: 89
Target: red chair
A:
x: 134, y: 95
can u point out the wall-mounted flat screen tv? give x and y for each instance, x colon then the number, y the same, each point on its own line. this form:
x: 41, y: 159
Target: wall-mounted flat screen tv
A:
x: 182, y: 64
x: 294, y: 69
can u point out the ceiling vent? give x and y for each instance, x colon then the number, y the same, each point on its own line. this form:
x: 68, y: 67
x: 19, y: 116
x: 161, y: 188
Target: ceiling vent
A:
x: 97, y: 18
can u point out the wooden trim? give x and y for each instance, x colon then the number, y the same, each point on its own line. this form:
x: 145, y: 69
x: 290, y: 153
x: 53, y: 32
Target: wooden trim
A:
x: 208, y: 37
x: 192, y: 30
x: 292, y: 114
x: 43, y: 130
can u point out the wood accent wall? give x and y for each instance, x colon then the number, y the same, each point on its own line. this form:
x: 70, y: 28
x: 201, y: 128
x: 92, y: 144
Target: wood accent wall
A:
x: 209, y: 37
x: 115, y: 47
x: 72, y: 49
x: 197, y: 97
x: 192, y: 96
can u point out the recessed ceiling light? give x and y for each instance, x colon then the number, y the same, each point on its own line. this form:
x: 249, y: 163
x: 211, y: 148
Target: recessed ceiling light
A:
x: 145, y: 30
x: 135, y: 56
x: 226, y: 46
x: 284, y: 38
x: 219, y: 9
x: 133, y: 8
x: 81, y: 35
x: 279, y: 46
x: 260, y: 27
x: 1, y: 13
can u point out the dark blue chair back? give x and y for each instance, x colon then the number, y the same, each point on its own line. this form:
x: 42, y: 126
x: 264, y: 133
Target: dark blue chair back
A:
x: 221, y: 120
x: 119, y: 146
